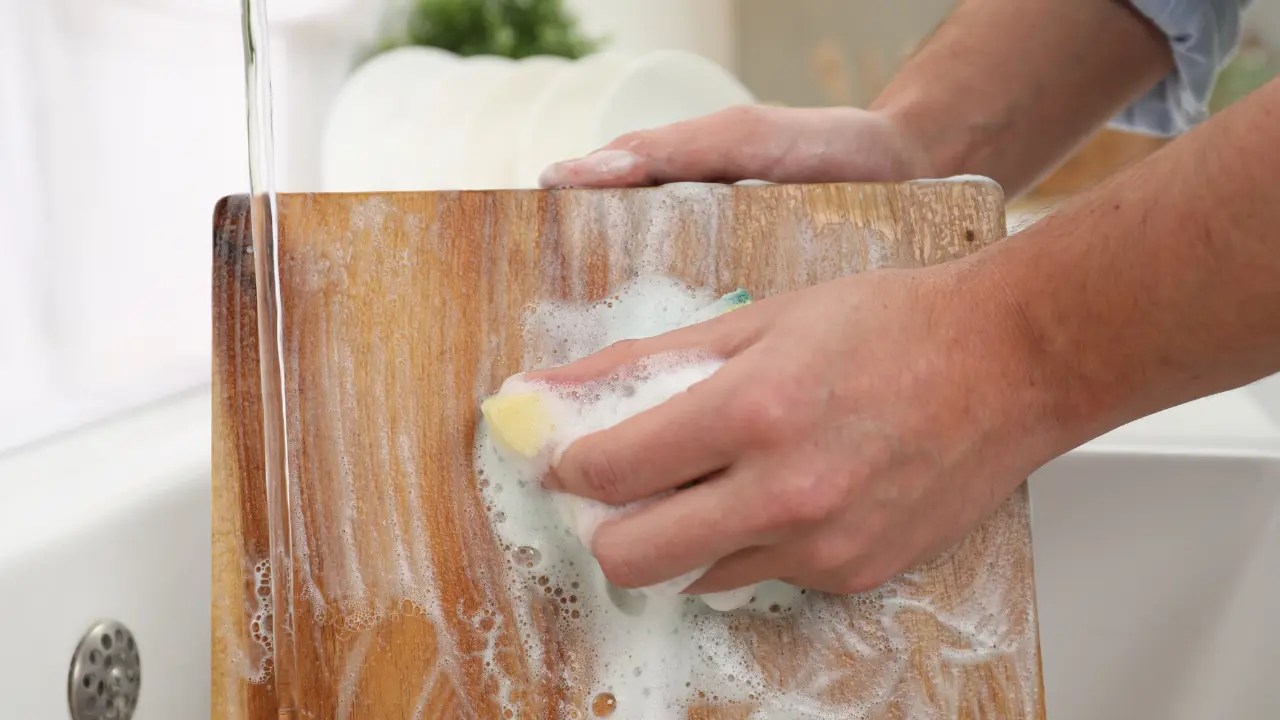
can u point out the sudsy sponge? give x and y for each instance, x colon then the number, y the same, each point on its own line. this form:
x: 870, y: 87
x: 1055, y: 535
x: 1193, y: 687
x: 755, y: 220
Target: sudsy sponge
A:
x: 521, y: 423
x: 532, y: 423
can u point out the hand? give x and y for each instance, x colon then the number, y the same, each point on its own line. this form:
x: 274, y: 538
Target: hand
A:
x: 753, y: 142
x: 858, y: 427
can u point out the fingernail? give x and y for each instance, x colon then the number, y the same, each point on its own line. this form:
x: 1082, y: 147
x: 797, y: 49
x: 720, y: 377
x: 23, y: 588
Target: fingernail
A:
x: 600, y: 166
x: 557, y: 453
x: 551, y: 481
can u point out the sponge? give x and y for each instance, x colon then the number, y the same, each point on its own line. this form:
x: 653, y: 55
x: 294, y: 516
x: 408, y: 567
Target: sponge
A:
x: 519, y: 422
x: 734, y: 300
x: 727, y: 303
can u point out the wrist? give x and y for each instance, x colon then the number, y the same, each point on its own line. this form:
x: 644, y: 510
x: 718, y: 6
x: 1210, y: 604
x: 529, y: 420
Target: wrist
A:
x: 1051, y: 406
x: 912, y: 159
x: 938, y: 137
x: 849, y: 144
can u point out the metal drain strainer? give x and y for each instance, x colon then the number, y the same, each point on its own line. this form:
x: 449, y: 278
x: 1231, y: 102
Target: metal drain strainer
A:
x: 106, y: 674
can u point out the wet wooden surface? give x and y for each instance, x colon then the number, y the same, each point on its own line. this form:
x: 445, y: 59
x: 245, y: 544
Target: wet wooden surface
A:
x: 403, y: 310
x: 240, y: 687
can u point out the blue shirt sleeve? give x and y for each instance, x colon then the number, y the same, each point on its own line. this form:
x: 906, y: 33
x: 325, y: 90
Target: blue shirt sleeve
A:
x: 1204, y: 34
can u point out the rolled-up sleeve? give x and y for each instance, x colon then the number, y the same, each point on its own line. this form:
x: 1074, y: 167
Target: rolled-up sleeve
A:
x: 1204, y: 35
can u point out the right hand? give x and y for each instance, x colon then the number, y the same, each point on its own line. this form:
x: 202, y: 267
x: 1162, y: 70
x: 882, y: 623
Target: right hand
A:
x: 753, y: 142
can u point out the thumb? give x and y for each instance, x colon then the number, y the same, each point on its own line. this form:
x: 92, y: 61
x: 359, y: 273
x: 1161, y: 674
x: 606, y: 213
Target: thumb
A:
x: 741, y: 143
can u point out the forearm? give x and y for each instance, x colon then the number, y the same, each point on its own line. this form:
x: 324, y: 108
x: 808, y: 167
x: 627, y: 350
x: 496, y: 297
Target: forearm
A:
x: 1007, y: 88
x: 1163, y: 284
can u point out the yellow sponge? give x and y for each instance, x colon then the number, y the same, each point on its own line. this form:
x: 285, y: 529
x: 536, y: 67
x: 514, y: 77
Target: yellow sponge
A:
x: 519, y: 422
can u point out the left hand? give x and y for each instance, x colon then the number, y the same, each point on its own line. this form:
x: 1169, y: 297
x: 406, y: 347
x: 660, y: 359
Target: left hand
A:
x: 858, y: 427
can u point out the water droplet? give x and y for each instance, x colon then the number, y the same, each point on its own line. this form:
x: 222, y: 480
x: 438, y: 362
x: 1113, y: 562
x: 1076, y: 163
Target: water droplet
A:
x: 604, y: 705
x: 528, y: 556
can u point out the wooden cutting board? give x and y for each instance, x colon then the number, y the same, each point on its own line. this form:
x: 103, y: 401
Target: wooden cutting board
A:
x: 400, y: 312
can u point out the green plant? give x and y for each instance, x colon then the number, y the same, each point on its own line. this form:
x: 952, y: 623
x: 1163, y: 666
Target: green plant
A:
x: 510, y: 28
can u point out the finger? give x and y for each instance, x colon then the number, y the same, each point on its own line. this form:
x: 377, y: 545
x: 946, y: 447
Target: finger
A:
x: 857, y: 576
x: 741, y: 143
x: 720, y: 337
x: 753, y: 565
x: 686, y: 530
x: 663, y: 448
x: 762, y: 500
x: 810, y: 561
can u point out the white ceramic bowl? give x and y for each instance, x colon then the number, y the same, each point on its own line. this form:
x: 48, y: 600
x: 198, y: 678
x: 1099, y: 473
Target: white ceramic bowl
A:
x: 355, y: 150
x: 431, y: 138
x: 433, y: 141
x: 561, y: 122
x: 664, y: 87
x: 612, y: 94
x: 493, y: 141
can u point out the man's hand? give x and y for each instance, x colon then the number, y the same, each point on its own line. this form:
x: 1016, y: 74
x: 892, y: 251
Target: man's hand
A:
x: 866, y: 424
x: 753, y: 143
x: 857, y: 428
x: 985, y: 96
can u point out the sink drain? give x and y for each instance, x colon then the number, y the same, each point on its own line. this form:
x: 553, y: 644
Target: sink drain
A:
x: 106, y: 674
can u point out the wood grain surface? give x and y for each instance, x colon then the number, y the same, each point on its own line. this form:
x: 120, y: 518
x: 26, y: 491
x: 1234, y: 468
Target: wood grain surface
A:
x: 240, y: 683
x: 401, y: 311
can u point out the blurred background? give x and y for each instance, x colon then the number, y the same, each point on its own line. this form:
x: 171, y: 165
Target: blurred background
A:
x: 123, y: 121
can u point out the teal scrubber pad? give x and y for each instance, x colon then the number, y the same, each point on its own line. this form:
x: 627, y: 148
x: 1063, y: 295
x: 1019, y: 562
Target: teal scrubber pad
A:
x: 732, y: 301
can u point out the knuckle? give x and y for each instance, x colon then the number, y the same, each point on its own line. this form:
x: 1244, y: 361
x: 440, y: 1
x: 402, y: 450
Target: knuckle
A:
x: 745, y: 114
x: 809, y: 497
x: 826, y: 556
x: 639, y: 142
x: 619, y: 569
x: 599, y: 478
x: 622, y: 348
x: 764, y: 414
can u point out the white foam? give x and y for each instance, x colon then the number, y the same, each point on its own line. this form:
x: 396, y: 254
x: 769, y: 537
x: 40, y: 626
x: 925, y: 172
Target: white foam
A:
x: 581, y: 410
x: 643, y: 653
x: 658, y: 652
x: 260, y: 624
x: 980, y: 179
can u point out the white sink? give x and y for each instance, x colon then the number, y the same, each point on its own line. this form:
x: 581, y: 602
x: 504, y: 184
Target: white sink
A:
x: 1157, y: 559
x: 1156, y: 552
x: 109, y: 523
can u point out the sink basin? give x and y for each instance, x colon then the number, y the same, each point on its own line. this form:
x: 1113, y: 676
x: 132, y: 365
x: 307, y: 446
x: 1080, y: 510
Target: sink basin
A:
x: 1156, y: 556
x: 1156, y: 550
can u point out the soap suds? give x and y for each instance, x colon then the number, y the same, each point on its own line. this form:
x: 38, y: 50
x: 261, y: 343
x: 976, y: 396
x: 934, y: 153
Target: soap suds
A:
x: 261, y: 629
x: 981, y: 179
x: 659, y: 653
x: 547, y: 419
x: 502, y: 641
